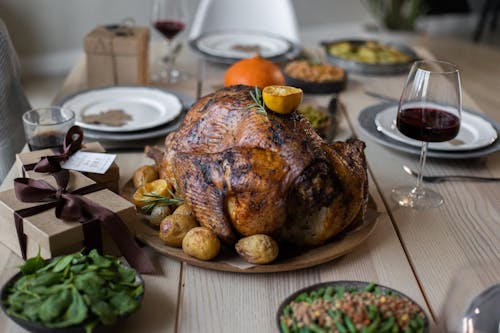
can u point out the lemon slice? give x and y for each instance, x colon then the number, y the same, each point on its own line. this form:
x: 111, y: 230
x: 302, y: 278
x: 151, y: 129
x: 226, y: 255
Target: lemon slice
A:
x: 282, y: 99
x: 144, y: 194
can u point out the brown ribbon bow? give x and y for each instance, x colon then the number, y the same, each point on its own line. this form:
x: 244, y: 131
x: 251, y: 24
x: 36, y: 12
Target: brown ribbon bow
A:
x: 72, y: 206
x: 72, y: 143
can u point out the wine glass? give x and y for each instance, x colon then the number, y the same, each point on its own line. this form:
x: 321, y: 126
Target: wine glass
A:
x: 429, y: 110
x: 472, y: 303
x: 169, y: 18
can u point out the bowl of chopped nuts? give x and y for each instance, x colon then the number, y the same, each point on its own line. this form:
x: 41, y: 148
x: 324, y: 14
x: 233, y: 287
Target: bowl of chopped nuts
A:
x: 315, y: 78
x: 350, y: 306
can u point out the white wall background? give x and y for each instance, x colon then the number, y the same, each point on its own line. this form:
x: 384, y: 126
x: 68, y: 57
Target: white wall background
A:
x: 48, y: 34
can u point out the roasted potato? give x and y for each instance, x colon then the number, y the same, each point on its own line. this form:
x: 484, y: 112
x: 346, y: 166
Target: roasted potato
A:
x: 174, y: 227
x: 184, y: 209
x: 158, y: 213
x: 257, y: 249
x: 201, y: 243
x: 143, y: 175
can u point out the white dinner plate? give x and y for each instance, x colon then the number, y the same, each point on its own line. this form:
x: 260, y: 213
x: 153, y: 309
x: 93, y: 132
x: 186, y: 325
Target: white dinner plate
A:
x: 475, y: 132
x: 234, y: 44
x: 147, y: 107
x: 231, y: 46
x: 110, y: 139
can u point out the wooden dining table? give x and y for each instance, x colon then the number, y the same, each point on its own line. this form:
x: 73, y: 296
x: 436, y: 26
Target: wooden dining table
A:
x: 416, y: 251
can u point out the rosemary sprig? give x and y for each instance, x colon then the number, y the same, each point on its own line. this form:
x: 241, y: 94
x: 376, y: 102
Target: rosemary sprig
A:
x: 156, y: 199
x: 257, y: 101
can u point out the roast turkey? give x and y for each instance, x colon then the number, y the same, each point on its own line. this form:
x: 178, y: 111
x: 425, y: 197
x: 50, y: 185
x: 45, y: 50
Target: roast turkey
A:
x: 244, y: 172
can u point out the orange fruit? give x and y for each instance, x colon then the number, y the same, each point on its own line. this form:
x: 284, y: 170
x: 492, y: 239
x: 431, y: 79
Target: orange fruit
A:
x: 255, y: 71
x: 148, y: 192
x: 282, y: 99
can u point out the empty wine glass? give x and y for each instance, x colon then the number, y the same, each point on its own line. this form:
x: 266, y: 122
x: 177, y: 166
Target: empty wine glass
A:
x: 472, y: 303
x: 429, y: 110
x: 169, y: 18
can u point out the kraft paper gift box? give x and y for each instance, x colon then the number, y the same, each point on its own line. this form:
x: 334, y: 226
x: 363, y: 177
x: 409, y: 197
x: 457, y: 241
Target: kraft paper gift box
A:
x: 56, y: 237
x: 26, y: 161
x: 117, y: 55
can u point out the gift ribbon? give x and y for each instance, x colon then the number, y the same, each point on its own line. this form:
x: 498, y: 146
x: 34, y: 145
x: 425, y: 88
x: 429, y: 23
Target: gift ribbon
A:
x: 72, y: 143
x: 72, y: 206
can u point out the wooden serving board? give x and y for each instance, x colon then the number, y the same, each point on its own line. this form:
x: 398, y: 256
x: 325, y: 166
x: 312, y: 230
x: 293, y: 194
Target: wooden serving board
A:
x: 289, y: 259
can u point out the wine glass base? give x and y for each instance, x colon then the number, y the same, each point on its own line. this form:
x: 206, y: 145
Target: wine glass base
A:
x: 409, y: 196
x: 170, y: 76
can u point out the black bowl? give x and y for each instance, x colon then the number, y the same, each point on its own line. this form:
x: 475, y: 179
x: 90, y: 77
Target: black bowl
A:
x: 312, y: 87
x: 359, y: 285
x: 354, y: 66
x: 39, y: 328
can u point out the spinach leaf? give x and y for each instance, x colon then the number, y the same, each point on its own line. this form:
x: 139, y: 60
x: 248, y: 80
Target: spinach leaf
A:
x: 30, y: 310
x: 104, y: 311
x: 63, y: 263
x: 46, y: 279
x: 98, y: 260
x: 89, y: 282
x: 54, y: 305
x: 137, y: 291
x: 123, y: 302
x: 127, y: 275
x: 33, y: 264
x: 77, y: 268
x: 43, y: 290
x: 75, y: 314
x: 17, y: 300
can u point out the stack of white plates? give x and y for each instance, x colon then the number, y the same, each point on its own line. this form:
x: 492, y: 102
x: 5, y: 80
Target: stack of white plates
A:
x: 231, y: 46
x: 478, y: 135
x: 152, y: 112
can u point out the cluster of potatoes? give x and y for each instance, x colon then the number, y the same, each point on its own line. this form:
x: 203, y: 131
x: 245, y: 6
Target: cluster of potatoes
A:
x: 178, y: 226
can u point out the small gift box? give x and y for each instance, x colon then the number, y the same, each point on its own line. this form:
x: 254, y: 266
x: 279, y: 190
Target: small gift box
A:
x: 64, y: 213
x: 117, y: 55
x: 27, y: 161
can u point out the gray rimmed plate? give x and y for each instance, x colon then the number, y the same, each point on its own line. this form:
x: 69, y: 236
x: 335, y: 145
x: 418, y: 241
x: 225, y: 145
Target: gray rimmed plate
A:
x: 230, y: 46
x: 158, y: 131
x: 367, y: 125
x: 370, y: 69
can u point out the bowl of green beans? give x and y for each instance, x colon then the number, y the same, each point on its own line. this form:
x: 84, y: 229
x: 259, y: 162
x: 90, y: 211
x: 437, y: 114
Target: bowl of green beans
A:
x: 350, y: 307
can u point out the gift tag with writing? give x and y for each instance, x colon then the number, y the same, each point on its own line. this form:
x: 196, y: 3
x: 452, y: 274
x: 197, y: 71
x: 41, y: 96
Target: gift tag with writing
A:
x: 89, y: 162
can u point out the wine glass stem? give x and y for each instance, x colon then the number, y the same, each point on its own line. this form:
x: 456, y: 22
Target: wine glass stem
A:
x: 167, y: 59
x: 423, y: 157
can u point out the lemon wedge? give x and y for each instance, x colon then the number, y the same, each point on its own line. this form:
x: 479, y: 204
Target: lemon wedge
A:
x: 145, y: 194
x: 282, y: 99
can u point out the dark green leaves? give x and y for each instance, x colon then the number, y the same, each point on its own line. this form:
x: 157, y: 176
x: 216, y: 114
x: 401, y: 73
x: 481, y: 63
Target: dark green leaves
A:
x: 123, y: 302
x: 54, y: 305
x: 74, y: 289
x: 104, y: 311
x: 89, y: 282
x: 33, y: 264
x: 76, y: 313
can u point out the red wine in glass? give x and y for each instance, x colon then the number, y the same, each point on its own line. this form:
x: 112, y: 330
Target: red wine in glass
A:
x: 429, y: 124
x: 169, y: 28
x: 169, y: 18
x: 429, y: 111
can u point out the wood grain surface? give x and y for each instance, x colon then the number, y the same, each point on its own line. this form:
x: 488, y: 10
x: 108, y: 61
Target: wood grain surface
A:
x: 415, y: 252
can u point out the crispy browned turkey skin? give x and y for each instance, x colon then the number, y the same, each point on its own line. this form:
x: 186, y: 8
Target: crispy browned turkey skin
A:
x: 245, y: 173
